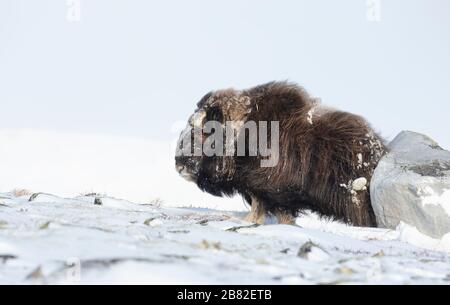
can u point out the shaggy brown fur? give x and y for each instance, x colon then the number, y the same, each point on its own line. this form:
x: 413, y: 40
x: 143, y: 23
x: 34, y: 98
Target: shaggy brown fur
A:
x: 327, y: 157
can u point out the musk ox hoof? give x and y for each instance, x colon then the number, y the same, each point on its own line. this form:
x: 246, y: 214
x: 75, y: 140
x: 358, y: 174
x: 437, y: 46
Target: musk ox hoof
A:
x: 254, y: 218
x: 258, y: 214
x: 285, y: 218
x: 412, y: 185
x: 260, y: 219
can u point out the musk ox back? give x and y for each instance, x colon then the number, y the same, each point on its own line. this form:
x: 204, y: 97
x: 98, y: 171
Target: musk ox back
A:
x: 320, y: 159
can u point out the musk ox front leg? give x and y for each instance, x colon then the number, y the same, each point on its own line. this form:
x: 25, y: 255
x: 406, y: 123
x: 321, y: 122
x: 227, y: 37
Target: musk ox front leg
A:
x: 257, y: 213
x: 284, y: 218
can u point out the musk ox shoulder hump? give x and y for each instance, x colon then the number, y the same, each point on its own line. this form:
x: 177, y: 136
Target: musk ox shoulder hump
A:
x: 280, y: 90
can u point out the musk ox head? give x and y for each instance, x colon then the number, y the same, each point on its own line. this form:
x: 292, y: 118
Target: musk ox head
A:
x: 198, y: 159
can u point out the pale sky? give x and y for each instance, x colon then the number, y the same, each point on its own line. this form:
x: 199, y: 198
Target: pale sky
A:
x: 135, y: 67
x: 131, y: 69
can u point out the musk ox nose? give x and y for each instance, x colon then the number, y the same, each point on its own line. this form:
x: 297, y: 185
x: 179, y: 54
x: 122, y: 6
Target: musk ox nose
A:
x: 184, y: 143
x: 179, y: 168
x: 185, y: 173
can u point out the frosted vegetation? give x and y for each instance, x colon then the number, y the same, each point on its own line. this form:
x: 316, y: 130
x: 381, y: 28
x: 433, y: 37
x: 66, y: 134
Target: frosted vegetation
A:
x: 70, y: 240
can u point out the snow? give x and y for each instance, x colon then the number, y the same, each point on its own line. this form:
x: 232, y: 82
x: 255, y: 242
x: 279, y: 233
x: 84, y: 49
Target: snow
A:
x: 360, y: 184
x: 430, y: 197
x: 168, y: 231
x: 69, y: 164
x: 310, y: 116
x: 55, y: 240
x: 360, y: 161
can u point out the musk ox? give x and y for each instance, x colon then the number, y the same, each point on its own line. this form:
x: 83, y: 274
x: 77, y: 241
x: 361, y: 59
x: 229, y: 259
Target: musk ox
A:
x: 325, y: 158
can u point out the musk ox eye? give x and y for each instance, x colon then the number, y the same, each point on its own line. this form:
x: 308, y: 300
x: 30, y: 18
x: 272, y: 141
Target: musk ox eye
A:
x: 214, y: 114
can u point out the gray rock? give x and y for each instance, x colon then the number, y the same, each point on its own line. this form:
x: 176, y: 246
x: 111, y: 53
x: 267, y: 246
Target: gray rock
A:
x: 412, y: 185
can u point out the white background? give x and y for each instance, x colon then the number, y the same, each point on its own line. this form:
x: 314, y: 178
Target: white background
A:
x: 91, y: 105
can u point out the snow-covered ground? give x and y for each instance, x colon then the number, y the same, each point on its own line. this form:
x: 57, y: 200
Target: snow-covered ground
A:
x: 170, y: 237
x: 69, y: 164
x: 60, y: 240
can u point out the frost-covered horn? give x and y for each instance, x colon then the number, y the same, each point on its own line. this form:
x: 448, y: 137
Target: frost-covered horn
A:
x: 197, y: 119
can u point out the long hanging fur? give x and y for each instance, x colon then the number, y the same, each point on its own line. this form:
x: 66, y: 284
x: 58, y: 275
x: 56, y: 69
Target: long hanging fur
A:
x: 327, y: 157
